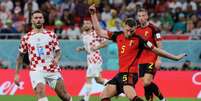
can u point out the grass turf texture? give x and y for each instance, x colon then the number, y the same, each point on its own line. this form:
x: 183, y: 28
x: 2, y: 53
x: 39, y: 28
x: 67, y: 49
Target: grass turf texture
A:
x: 93, y: 98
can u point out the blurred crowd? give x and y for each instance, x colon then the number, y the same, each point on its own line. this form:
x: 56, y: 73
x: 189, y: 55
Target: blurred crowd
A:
x: 65, y: 16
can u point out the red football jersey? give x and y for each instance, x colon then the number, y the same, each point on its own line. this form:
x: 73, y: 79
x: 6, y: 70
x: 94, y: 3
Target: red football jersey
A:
x: 129, y: 50
x: 152, y: 34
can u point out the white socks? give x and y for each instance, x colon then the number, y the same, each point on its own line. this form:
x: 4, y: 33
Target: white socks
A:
x: 43, y: 99
x: 86, y: 98
x: 71, y: 98
x: 88, y: 91
x: 163, y: 99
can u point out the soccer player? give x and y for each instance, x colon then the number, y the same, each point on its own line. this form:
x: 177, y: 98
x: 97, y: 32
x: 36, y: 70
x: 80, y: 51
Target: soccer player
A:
x: 149, y: 61
x: 44, y: 54
x: 130, y: 47
x: 92, y: 44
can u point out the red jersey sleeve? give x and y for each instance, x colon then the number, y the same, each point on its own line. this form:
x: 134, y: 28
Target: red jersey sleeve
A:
x: 144, y: 43
x: 109, y: 34
x: 157, y: 33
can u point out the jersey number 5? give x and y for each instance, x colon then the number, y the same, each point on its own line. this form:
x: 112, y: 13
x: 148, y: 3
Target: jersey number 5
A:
x: 123, y: 49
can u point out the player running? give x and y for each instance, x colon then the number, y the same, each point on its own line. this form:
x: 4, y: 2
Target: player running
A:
x: 92, y: 44
x: 44, y: 55
x: 130, y: 47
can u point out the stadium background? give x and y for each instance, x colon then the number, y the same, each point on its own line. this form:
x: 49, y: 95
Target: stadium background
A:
x: 179, y: 21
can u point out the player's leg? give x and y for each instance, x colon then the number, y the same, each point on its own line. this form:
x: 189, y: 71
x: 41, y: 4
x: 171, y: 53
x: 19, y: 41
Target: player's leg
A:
x: 129, y: 81
x: 90, y: 74
x: 131, y: 94
x: 61, y: 91
x: 97, y: 74
x: 38, y: 84
x: 113, y: 88
x: 55, y: 81
x: 149, y: 86
x: 101, y: 80
x: 142, y: 71
x: 109, y: 91
x: 147, y: 79
x: 88, y: 86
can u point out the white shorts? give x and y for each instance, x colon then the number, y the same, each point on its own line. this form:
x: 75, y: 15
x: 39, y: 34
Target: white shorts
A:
x: 43, y: 77
x: 94, y: 70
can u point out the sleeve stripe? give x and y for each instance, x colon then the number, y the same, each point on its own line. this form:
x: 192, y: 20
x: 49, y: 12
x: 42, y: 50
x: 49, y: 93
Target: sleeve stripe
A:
x: 150, y: 45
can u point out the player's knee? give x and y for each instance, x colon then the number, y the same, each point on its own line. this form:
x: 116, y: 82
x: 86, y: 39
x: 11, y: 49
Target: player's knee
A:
x: 147, y: 81
x: 40, y: 90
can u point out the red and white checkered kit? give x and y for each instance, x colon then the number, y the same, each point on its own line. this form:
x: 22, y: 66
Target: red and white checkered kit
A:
x: 92, y: 40
x: 41, y: 48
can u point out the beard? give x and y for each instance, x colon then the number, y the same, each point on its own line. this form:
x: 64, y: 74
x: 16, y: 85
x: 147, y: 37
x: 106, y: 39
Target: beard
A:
x: 86, y: 29
x: 38, y: 25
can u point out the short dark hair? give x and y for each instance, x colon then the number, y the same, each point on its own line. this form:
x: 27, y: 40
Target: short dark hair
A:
x: 142, y: 10
x: 37, y: 11
x: 130, y: 22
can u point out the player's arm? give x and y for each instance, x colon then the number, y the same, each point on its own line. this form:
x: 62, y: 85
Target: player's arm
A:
x: 164, y: 53
x: 57, y: 56
x: 101, y: 45
x: 57, y: 50
x: 158, y: 61
x: 19, y: 62
x: 95, y: 22
x: 157, y: 38
x: 80, y: 49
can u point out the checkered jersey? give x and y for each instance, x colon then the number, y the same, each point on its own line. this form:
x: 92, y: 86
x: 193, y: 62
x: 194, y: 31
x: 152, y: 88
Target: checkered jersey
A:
x: 92, y: 40
x: 41, y: 48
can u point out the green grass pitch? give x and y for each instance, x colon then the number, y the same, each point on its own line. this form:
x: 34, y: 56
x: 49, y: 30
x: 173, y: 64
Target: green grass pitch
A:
x: 93, y: 98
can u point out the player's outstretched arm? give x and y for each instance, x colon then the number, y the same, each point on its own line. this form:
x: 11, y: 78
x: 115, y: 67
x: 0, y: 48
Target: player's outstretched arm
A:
x: 168, y: 55
x: 101, y: 45
x: 164, y: 53
x: 95, y: 22
x: 158, y: 61
x: 19, y: 61
x: 80, y: 49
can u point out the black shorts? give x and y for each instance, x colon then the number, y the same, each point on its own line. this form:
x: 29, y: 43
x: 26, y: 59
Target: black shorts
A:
x: 122, y: 79
x: 147, y: 68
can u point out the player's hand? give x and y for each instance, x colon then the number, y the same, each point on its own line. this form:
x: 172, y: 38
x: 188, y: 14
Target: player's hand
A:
x: 93, y: 48
x: 79, y: 49
x: 180, y: 56
x: 158, y: 64
x: 16, y: 79
x: 55, y: 62
x: 92, y: 9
